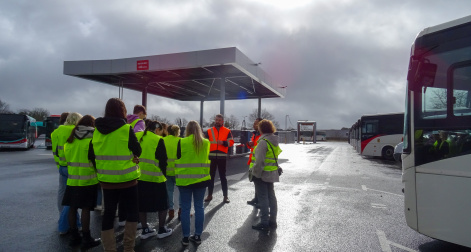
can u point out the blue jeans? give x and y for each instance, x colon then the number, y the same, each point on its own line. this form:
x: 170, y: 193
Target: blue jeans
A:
x: 63, y: 224
x: 186, y: 194
x: 170, y: 190
x: 63, y: 175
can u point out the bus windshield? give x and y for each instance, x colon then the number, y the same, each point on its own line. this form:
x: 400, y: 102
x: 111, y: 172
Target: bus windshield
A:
x: 12, y: 127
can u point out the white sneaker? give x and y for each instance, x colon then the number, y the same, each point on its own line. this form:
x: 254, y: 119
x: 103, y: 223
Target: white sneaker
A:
x: 147, y: 232
x: 165, y: 233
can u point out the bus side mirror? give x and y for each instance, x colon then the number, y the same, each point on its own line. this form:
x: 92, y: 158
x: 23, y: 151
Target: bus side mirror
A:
x: 421, y: 74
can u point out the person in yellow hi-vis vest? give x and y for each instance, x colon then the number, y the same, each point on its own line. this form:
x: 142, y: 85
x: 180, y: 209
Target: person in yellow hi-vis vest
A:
x: 115, y: 152
x: 265, y: 172
x: 62, y: 179
x: 81, y: 191
x: 152, y: 188
x: 58, y: 138
x: 192, y: 178
x: 171, y: 143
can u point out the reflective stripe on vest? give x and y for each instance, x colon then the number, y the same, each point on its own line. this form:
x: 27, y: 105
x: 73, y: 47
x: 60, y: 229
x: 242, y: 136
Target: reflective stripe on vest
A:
x: 80, y: 170
x: 118, y: 172
x: 80, y: 177
x: 150, y: 171
x: 254, y: 140
x: 190, y: 176
x: 192, y: 168
x: 171, y: 145
x: 113, y: 157
x: 191, y: 165
x: 148, y: 161
x: 79, y: 164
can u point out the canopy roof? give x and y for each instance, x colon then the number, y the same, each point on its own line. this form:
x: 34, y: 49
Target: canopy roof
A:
x: 187, y: 76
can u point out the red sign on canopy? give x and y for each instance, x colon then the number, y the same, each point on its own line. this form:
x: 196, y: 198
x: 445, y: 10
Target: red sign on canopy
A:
x: 142, y: 65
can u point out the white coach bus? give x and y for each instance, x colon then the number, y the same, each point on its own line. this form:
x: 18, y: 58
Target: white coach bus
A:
x: 436, y: 160
x: 380, y: 134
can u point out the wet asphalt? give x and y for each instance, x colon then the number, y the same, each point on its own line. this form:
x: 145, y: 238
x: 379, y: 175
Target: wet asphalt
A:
x: 329, y: 199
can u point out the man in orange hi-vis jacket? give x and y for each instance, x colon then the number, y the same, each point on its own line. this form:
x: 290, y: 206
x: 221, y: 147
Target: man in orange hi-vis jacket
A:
x: 221, y: 139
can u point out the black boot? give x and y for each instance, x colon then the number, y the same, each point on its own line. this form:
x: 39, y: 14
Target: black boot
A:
x: 75, y: 238
x: 89, y: 242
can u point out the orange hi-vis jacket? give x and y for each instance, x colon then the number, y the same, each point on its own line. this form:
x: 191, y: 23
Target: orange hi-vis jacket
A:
x: 254, y: 140
x: 224, y: 134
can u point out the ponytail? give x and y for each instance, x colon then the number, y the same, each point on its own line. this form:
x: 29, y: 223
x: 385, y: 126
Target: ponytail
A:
x: 151, y: 126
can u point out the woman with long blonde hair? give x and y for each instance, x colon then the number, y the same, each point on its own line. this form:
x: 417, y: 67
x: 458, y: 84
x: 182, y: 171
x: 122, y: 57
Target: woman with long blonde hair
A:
x: 192, y: 177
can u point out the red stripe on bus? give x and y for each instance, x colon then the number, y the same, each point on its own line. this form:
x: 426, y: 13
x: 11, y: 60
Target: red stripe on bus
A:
x: 15, y: 142
x: 366, y: 142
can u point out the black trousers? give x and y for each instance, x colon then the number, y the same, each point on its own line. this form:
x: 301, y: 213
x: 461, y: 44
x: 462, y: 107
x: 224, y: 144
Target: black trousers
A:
x: 126, y: 197
x: 220, y: 165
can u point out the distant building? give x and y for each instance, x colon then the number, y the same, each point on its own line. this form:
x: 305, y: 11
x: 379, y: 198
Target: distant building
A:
x: 336, y: 135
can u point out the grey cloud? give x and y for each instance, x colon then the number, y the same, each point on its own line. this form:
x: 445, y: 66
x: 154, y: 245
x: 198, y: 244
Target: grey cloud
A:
x: 339, y: 59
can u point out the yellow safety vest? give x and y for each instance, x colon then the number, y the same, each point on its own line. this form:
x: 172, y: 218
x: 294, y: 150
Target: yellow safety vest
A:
x: 54, y: 148
x: 192, y: 168
x: 59, y: 138
x: 113, y: 157
x: 80, y: 169
x: 270, y: 161
x: 171, y: 145
x: 148, y: 164
x: 133, y: 123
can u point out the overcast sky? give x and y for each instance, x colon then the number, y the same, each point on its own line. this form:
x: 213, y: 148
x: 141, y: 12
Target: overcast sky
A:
x: 339, y: 59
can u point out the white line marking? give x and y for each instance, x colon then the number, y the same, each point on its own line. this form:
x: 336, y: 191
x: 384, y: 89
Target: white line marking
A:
x: 364, y: 187
x: 376, y: 205
x: 383, y: 241
x: 385, y: 192
x: 386, y: 245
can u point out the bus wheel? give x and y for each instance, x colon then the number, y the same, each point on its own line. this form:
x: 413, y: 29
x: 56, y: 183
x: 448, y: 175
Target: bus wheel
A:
x: 388, y: 153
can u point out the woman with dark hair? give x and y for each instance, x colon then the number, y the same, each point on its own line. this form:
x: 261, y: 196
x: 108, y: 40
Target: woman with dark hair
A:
x: 192, y: 177
x: 171, y: 143
x: 81, y: 191
x: 164, y: 130
x: 152, y: 189
x: 115, y: 152
x: 265, y: 172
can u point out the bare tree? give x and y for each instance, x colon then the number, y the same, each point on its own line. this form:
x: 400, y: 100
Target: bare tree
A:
x: 4, y: 108
x: 232, y: 122
x: 181, y: 122
x: 439, y: 98
x: 40, y: 114
x: 160, y: 119
x: 264, y: 115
